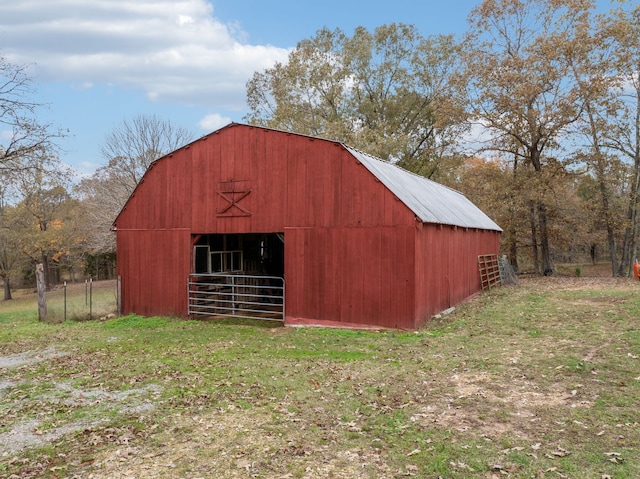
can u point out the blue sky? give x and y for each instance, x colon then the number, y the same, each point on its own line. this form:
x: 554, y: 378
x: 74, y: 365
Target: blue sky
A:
x: 96, y: 63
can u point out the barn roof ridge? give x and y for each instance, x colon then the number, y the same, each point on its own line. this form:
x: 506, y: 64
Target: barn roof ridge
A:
x: 277, y: 130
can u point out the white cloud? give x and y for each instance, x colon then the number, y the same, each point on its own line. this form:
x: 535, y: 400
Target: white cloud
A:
x: 213, y: 122
x: 172, y: 50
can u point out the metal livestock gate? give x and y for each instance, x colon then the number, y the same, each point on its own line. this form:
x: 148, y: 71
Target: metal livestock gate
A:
x: 236, y: 296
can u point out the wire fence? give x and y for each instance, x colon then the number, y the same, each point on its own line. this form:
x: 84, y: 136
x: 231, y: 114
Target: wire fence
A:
x: 82, y: 301
x: 507, y: 273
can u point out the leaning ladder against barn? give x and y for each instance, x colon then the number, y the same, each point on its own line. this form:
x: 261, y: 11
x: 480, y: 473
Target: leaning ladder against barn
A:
x: 489, y: 270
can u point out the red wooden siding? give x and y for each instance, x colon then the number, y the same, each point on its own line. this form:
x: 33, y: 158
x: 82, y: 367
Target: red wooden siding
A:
x: 354, y: 253
x: 154, y: 267
x: 353, y: 276
x: 294, y: 181
x: 446, y: 266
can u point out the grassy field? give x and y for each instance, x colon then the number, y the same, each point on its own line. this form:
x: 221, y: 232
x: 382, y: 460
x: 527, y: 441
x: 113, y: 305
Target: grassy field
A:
x: 538, y: 380
x: 81, y: 301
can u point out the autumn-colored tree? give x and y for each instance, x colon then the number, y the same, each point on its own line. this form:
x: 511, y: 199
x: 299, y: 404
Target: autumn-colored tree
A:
x: 520, y: 91
x: 589, y: 188
x: 492, y: 185
x: 602, y: 64
x: 11, y: 256
x: 43, y: 217
x: 623, y: 120
x: 386, y: 92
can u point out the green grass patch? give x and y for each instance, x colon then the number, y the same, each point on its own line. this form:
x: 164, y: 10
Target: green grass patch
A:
x: 136, y: 322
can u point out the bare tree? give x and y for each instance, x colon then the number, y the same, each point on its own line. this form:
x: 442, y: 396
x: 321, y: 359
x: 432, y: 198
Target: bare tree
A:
x: 27, y: 138
x: 102, y: 198
x: 132, y: 146
x: 129, y: 150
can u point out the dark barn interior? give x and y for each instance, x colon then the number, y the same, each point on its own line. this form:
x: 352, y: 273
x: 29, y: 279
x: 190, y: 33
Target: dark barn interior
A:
x: 252, y: 253
x: 238, y: 274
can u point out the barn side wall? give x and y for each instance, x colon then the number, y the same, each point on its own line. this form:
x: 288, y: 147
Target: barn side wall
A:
x: 446, y: 265
x: 350, y: 276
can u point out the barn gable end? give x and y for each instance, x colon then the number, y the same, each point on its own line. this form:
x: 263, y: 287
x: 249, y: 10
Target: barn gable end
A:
x: 359, y: 248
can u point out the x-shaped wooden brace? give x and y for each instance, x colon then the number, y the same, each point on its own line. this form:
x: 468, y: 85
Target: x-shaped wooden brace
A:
x: 233, y: 198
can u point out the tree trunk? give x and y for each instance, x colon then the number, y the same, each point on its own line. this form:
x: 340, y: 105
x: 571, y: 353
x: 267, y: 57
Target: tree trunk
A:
x: 547, y: 266
x: 634, y: 237
x: 7, y: 289
x: 636, y: 191
x: 534, y: 238
x: 604, y: 192
x: 512, y: 234
x: 631, y: 231
x: 626, y: 261
x: 538, y: 206
x: 611, y: 234
x: 45, y: 267
x: 513, y: 247
x: 41, y: 286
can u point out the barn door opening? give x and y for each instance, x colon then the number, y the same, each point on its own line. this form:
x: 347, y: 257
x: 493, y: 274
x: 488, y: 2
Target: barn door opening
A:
x: 238, y: 275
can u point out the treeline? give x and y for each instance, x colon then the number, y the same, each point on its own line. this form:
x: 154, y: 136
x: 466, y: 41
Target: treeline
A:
x: 534, y: 114
x: 43, y: 221
x: 47, y: 216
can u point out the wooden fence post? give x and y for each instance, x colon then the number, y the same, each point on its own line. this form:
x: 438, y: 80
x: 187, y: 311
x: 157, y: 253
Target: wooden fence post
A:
x: 42, y: 288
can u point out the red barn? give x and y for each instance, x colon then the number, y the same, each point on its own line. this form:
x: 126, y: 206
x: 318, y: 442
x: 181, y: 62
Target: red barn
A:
x: 249, y: 221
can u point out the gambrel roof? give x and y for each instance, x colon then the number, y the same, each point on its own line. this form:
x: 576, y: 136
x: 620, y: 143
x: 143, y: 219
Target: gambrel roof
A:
x: 429, y: 201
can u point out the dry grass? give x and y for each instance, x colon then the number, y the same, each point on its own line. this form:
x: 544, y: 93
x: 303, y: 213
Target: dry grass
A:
x: 539, y: 380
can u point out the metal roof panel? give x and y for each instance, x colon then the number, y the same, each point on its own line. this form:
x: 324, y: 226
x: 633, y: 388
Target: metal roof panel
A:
x: 431, y: 202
